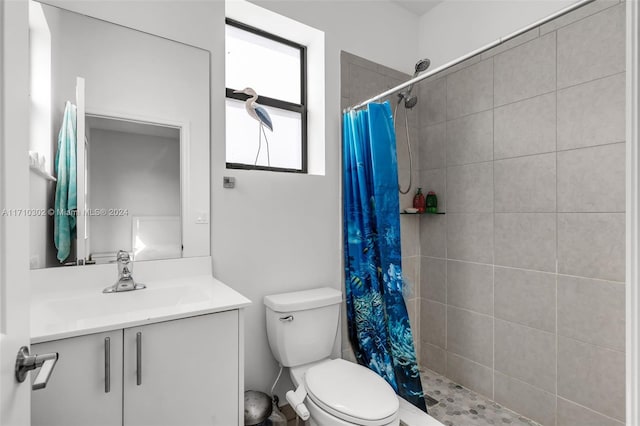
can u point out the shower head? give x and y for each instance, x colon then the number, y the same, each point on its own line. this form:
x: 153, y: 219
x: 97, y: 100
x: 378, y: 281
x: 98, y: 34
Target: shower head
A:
x: 421, y: 66
x: 411, y: 101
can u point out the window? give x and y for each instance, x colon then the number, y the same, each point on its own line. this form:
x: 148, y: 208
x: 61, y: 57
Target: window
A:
x: 275, y: 68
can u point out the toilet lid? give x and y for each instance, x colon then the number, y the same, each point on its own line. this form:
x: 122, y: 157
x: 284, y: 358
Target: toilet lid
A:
x: 352, y: 392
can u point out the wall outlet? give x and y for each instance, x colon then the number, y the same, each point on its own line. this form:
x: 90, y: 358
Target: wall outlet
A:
x: 202, y: 217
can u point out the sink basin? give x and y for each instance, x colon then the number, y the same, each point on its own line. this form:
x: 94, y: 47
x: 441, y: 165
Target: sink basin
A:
x: 96, y: 309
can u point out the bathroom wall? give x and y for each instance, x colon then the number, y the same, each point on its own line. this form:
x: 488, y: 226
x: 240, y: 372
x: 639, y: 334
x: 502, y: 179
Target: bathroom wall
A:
x: 361, y: 79
x: 522, y: 281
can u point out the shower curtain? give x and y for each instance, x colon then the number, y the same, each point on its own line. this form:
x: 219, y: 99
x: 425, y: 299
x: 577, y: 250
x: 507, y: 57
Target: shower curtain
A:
x: 378, y: 322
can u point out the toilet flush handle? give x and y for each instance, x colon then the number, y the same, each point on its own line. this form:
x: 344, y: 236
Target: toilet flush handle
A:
x: 288, y: 318
x: 296, y: 400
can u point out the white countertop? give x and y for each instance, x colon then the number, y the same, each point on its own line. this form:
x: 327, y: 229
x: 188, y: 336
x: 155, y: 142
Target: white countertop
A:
x: 59, y: 315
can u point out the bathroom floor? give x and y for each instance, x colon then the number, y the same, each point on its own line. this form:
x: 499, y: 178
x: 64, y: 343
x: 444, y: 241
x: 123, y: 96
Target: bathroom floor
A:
x: 459, y: 406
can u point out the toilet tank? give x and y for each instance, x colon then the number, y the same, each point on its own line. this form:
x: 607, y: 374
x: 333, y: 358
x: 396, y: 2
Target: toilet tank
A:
x: 302, y: 325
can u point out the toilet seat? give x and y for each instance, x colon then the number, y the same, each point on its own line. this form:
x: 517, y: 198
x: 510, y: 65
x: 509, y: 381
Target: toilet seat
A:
x: 352, y: 393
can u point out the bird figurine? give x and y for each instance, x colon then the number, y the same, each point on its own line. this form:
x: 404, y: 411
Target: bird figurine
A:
x: 259, y: 114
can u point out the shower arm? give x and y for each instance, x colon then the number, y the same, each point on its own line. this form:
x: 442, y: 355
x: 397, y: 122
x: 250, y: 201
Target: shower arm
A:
x: 463, y: 58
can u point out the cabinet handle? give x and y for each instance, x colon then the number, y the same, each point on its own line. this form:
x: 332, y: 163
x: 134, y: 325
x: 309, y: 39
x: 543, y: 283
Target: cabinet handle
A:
x: 107, y: 365
x: 139, y: 357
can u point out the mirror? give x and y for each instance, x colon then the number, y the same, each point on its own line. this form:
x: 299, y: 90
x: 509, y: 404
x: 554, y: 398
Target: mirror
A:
x: 141, y: 142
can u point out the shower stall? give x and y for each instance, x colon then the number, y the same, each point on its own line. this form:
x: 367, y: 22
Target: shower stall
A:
x: 516, y: 296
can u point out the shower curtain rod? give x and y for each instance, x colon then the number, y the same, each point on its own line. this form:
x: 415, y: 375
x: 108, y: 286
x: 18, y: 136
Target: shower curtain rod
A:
x: 493, y: 44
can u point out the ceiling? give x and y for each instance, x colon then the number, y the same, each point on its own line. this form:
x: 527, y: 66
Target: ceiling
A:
x: 419, y: 7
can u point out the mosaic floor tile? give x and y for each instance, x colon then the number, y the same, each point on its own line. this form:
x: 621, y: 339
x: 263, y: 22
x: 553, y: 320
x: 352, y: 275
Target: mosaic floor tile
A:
x: 459, y: 406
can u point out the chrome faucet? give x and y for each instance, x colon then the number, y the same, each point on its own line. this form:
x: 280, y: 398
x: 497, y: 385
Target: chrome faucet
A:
x: 125, y: 275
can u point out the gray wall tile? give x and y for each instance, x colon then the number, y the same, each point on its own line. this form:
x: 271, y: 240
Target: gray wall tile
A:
x: 470, y: 139
x: 470, y: 188
x: 461, y: 65
x: 592, y: 376
x: 526, y: 71
x: 402, y: 149
x: 410, y: 276
x: 413, y: 311
x: 525, y: 399
x: 431, y: 147
x: 435, y: 180
x: 433, y: 322
x: 570, y: 414
x: 470, y: 374
x: 592, y: 179
x: 526, y: 353
x: 526, y: 297
x: 470, y: 286
x: 526, y: 184
x: 433, y: 98
x: 409, y: 235
x: 470, y: 237
x: 592, y: 48
x: 592, y: 245
x: 470, y: 90
x: 433, y: 235
x: 364, y: 82
x: 510, y: 44
x: 584, y: 122
x: 576, y: 15
x: 433, y: 279
x: 470, y: 335
x: 592, y: 311
x: 526, y: 127
x: 526, y: 240
x: 433, y: 358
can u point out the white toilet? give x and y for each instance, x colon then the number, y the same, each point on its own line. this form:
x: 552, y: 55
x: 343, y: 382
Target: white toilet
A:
x: 302, y: 328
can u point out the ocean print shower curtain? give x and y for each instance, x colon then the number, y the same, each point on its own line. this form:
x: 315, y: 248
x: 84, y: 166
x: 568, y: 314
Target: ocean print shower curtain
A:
x: 378, y: 322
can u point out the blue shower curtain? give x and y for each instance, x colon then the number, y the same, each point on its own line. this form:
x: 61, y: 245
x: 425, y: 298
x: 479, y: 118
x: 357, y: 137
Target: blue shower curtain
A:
x: 378, y: 322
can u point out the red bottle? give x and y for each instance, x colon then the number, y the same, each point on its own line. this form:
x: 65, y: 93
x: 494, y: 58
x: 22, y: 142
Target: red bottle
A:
x: 419, y: 201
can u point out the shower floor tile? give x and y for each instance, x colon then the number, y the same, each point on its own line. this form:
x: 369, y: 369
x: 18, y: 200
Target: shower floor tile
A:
x: 459, y: 406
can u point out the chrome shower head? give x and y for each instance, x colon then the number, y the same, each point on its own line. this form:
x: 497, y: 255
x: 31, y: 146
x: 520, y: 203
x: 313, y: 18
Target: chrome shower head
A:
x: 411, y: 101
x: 422, y: 65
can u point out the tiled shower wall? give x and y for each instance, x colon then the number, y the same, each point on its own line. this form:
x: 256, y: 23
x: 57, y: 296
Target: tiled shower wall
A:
x: 522, y: 281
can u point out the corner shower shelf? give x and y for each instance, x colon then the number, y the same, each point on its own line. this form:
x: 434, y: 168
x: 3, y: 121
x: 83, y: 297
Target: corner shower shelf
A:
x: 420, y: 214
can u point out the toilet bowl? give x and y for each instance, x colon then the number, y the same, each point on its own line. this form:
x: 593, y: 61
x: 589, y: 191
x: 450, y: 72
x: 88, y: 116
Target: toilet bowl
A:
x: 343, y: 393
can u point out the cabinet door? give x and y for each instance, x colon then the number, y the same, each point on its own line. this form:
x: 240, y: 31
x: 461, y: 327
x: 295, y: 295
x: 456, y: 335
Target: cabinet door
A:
x: 188, y: 372
x: 77, y: 392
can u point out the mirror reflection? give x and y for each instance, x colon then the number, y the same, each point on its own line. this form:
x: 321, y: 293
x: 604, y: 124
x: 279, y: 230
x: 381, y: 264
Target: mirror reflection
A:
x: 141, y: 161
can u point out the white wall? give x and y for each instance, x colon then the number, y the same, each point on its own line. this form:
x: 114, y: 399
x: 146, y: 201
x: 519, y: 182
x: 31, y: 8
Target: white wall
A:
x: 456, y: 27
x: 282, y: 232
x: 274, y: 232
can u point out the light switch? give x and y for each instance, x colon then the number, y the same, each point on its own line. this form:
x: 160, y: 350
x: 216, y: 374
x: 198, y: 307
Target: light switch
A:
x: 228, y: 182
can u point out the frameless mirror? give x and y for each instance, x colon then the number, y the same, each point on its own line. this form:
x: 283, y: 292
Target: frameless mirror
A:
x: 132, y: 171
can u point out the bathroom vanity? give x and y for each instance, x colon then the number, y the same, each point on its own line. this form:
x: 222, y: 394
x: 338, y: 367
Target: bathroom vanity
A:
x: 166, y: 355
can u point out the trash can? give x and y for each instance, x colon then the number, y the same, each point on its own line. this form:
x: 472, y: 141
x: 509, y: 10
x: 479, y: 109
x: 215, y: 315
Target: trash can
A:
x: 257, y: 408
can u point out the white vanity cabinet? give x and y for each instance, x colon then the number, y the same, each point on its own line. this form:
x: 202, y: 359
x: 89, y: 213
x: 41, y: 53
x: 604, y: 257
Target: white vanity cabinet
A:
x: 179, y: 372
